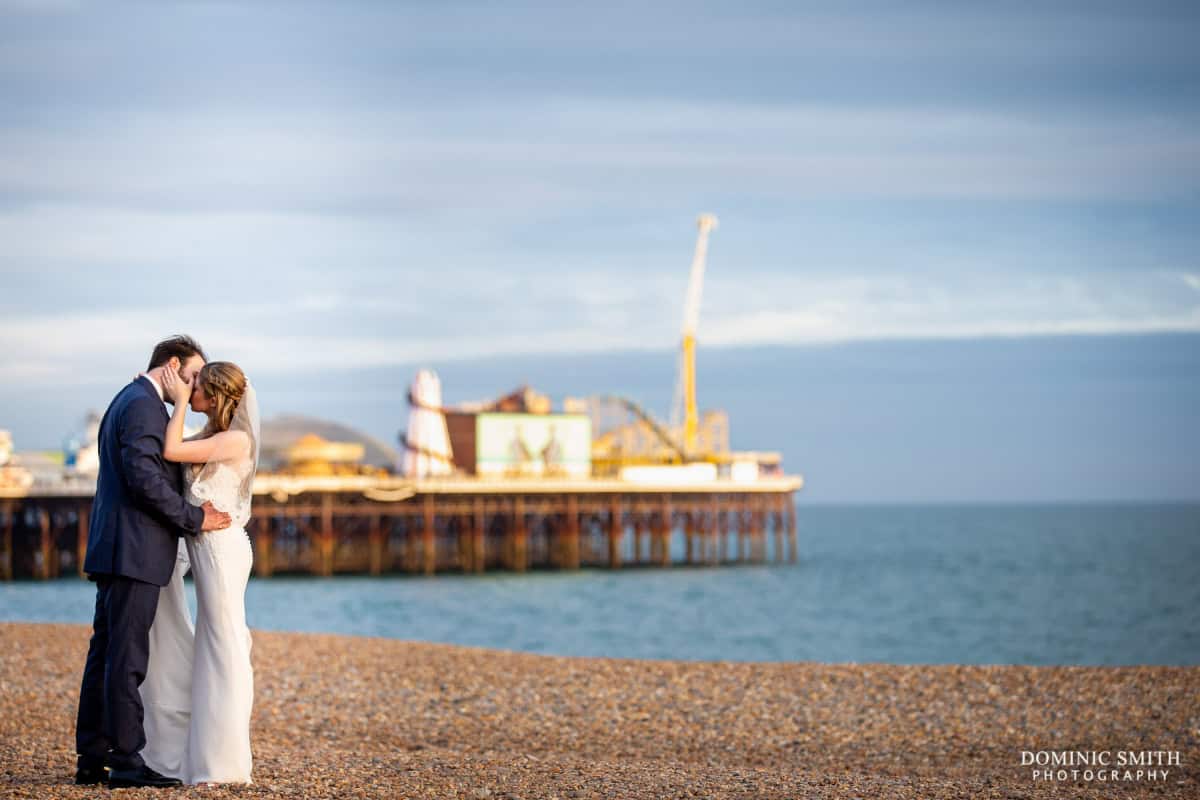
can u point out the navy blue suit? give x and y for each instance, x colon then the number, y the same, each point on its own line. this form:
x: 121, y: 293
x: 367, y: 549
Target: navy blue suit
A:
x: 137, y: 517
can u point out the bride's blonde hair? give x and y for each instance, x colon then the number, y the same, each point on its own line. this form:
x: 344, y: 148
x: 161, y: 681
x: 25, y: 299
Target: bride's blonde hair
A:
x: 223, y: 383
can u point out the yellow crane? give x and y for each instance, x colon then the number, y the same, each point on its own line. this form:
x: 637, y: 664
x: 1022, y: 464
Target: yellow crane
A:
x: 684, y: 403
x: 625, y: 434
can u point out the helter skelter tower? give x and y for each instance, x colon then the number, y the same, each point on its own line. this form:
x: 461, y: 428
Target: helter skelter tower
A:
x: 426, y: 442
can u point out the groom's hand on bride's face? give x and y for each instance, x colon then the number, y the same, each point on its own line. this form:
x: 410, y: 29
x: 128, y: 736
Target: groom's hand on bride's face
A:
x: 214, y: 520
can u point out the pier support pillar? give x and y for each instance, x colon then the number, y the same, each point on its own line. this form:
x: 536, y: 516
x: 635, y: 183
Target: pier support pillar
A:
x: 666, y: 528
x: 520, y: 549
x: 755, y: 529
x: 478, y: 521
x: 510, y: 525
x: 779, y: 541
x: 374, y: 545
x: 650, y: 525
x: 689, y: 538
x: 462, y: 540
x: 742, y: 531
x: 614, y: 534
x: 571, y: 555
x: 428, y: 540
x: 760, y: 531
x: 262, y: 546
x: 723, y: 536
x: 325, y: 564
x: 45, y: 546
x: 791, y: 530
x: 712, y: 555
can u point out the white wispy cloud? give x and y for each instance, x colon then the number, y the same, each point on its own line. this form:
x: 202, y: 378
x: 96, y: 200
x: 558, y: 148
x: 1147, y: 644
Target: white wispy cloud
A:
x: 883, y: 307
x: 590, y: 313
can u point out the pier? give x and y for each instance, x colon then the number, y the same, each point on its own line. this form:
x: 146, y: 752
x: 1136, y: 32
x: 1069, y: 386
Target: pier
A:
x: 508, y: 483
x: 328, y: 525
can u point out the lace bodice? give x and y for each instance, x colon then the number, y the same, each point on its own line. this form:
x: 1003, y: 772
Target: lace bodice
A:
x: 221, y: 487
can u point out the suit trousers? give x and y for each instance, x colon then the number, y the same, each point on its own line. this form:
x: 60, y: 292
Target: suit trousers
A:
x: 109, y: 728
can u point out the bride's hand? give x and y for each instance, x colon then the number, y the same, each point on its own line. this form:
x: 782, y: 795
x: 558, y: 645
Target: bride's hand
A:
x: 175, y: 387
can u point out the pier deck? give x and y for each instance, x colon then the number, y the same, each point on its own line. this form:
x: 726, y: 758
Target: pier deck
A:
x: 380, y: 525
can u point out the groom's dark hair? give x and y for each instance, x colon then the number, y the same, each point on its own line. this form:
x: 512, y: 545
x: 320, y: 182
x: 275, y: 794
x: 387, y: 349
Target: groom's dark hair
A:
x: 181, y: 347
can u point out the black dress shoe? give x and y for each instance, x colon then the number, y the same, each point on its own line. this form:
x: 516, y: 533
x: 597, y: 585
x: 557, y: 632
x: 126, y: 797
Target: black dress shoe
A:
x: 89, y: 775
x: 127, y: 778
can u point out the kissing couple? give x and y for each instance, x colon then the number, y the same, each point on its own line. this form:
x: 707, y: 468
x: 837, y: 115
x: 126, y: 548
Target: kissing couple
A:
x: 165, y: 702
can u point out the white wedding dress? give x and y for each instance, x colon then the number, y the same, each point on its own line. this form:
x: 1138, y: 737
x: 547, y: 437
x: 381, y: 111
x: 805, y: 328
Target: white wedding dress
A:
x: 199, y: 684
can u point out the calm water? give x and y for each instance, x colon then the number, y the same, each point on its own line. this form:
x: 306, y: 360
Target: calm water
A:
x: 1047, y: 584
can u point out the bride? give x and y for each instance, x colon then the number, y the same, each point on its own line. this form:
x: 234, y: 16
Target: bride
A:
x: 199, y: 683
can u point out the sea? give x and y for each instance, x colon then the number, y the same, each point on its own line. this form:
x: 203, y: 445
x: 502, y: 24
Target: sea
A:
x: 1088, y: 584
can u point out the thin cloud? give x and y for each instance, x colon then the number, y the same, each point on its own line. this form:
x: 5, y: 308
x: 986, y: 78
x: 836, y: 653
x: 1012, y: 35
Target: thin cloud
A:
x: 581, y: 152
x: 566, y: 317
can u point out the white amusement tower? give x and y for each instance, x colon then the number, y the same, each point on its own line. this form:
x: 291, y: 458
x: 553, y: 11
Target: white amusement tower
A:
x: 426, y: 443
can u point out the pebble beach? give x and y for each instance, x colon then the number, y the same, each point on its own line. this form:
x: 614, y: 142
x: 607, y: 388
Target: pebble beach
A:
x: 349, y: 717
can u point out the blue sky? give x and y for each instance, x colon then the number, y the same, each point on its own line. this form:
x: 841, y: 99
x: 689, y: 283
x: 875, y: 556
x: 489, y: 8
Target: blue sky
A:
x: 311, y: 188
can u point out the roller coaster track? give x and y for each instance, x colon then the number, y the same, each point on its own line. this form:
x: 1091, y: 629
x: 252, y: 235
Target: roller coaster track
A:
x: 645, y: 417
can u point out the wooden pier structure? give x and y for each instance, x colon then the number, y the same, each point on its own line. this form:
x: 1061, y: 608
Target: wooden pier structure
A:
x: 385, y: 525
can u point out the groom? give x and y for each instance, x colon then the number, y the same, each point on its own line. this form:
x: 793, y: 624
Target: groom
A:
x: 137, y: 517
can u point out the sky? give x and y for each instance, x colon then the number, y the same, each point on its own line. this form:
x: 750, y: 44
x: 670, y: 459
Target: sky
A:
x: 335, y: 194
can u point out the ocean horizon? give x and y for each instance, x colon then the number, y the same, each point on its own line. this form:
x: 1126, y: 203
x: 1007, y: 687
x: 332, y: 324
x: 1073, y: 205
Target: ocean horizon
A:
x: 986, y: 583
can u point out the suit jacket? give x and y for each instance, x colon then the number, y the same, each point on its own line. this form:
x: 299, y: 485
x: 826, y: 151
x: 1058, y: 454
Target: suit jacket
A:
x: 139, y: 512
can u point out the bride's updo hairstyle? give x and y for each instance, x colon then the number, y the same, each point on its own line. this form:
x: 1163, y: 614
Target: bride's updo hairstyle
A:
x: 223, y: 383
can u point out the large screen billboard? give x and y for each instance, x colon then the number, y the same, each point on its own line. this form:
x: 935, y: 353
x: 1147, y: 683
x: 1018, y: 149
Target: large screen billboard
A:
x: 533, y: 445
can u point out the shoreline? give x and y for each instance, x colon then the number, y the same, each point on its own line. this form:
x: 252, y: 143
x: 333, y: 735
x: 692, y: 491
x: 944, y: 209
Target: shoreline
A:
x: 339, y: 716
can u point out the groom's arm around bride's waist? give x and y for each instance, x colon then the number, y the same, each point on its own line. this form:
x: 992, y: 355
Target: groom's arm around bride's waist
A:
x: 146, y: 472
